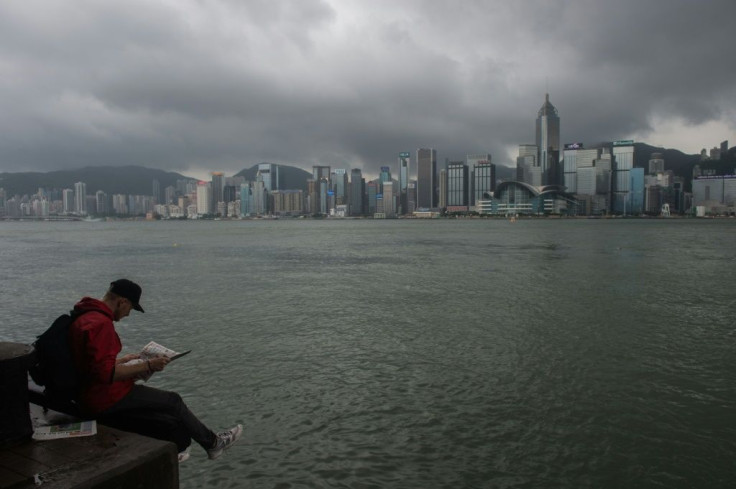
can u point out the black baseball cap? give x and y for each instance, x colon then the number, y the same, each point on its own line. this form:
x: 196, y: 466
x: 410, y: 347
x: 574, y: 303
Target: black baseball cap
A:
x: 129, y: 290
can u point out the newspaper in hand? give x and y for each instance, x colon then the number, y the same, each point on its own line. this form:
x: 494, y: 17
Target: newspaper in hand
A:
x: 154, y: 350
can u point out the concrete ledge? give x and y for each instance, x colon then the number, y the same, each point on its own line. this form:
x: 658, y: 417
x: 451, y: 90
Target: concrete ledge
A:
x: 112, y: 459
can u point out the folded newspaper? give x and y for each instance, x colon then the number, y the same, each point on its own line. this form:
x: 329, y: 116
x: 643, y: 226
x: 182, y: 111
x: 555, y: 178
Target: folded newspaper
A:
x: 69, y: 430
x: 154, y: 350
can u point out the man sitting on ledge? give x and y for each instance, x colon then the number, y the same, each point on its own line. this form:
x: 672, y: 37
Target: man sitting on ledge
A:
x: 109, y: 391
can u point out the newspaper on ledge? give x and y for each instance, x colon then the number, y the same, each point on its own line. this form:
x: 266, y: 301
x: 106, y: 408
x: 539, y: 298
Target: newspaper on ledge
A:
x: 69, y: 430
x: 153, y: 350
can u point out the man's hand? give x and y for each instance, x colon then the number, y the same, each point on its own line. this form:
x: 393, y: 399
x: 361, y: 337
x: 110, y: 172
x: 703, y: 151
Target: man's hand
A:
x: 127, y: 358
x: 157, y: 364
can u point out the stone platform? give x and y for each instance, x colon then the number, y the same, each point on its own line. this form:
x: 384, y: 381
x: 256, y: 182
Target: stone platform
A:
x: 111, y: 459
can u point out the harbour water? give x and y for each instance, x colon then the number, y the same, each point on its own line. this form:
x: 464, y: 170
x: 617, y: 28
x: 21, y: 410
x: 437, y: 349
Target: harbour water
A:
x: 421, y: 354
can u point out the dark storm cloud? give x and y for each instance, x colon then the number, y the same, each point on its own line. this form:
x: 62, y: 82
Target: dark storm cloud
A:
x: 223, y: 85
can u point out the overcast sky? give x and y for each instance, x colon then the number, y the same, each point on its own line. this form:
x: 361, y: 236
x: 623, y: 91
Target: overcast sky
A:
x: 200, y: 85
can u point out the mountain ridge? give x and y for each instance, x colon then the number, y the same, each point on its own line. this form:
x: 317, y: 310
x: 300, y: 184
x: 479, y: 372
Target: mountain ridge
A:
x: 138, y: 180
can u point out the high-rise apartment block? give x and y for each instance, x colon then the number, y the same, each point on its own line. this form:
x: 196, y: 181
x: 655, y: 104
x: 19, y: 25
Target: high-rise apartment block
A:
x: 287, y: 202
x: 204, y: 198
x: 80, y: 198
x: 120, y: 204
x: 101, y: 206
x: 68, y: 200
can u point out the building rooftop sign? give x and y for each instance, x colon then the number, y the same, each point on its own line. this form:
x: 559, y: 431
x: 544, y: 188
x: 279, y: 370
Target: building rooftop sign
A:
x: 624, y: 142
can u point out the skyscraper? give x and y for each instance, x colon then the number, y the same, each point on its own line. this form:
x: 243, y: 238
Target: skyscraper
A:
x: 426, y: 178
x: 101, y: 203
x: 548, y: 142
x: 372, y: 191
x: 68, y: 200
x: 217, y: 189
x: 321, y: 176
x: 389, y: 200
x: 260, y: 197
x: 204, y: 198
x: 623, y: 163
x: 156, y: 187
x: 526, y: 164
x: 323, y: 187
x: 442, y: 194
x: 319, y: 172
x: 356, y: 192
x: 246, y: 199
x: 270, y: 174
x: 340, y: 185
x: 404, y: 174
x: 575, y: 157
x: 404, y: 170
x: 603, y: 180
x: 385, y: 175
x: 411, y: 197
x: 312, y: 196
x: 656, y: 163
x: 457, y: 186
x: 484, y: 177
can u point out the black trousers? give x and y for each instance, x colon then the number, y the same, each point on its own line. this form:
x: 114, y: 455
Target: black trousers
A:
x: 159, y: 414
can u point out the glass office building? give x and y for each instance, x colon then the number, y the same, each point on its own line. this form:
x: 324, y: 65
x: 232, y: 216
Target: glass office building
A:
x: 356, y: 192
x: 426, y: 178
x: 457, y: 184
x: 482, y: 176
x: 623, y: 163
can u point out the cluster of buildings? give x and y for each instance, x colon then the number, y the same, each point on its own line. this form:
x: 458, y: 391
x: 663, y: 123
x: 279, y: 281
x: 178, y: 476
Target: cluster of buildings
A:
x: 575, y: 180
x: 550, y: 179
x: 338, y: 192
x: 74, y: 202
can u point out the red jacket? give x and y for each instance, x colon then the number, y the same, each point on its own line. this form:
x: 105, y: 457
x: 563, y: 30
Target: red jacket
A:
x: 95, y: 346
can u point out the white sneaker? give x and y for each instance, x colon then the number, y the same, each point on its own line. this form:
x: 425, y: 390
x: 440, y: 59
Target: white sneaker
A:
x: 224, y: 441
x: 184, y: 456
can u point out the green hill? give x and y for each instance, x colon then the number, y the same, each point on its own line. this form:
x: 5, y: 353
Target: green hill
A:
x: 290, y: 177
x: 138, y: 180
x: 135, y: 180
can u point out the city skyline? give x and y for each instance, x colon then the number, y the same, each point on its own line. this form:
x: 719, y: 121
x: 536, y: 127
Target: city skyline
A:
x: 195, y: 87
x: 578, y: 181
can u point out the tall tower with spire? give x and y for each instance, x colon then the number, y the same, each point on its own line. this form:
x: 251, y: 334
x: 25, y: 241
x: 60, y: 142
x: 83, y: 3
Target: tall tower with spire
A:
x: 548, y: 142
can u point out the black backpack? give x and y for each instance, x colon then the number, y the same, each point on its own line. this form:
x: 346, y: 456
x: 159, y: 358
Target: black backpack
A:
x: 53, y: 366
